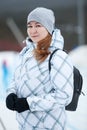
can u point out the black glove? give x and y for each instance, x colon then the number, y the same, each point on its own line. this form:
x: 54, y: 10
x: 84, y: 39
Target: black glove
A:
x: 21, y: 105
x: 10, y: 101
x: 15, y: 103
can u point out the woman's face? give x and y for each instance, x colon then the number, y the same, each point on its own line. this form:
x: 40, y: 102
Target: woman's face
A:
x: 36, y: 31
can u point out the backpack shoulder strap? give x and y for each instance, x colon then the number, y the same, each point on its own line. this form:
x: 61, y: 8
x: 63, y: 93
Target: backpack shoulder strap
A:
x: 51, y: 58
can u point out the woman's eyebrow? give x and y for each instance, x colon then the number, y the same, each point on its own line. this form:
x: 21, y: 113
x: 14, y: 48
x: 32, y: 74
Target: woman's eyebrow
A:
x: 31, y: 23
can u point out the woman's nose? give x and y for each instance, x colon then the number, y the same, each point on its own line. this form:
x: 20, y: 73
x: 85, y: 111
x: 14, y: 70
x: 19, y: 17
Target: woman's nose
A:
x: 33, y: 30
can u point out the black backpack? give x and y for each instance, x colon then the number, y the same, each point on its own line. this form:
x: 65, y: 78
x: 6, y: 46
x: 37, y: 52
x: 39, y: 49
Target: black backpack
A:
x: 78, y: 82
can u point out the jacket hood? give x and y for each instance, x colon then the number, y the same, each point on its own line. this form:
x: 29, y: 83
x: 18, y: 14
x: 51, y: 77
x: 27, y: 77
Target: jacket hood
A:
x: 57, y: 40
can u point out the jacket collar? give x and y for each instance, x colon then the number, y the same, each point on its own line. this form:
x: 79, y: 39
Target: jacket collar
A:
x: 57, y: 40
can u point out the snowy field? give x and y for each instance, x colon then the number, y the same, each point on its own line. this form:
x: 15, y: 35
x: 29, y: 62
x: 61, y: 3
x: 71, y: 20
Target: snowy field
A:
x: 76, y: 120
x: 8, y: 62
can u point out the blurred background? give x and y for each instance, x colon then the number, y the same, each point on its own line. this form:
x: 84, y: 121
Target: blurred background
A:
x: 71, y: 19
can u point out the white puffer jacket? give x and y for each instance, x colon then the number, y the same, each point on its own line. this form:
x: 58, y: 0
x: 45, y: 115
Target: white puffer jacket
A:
x: 47, y: 94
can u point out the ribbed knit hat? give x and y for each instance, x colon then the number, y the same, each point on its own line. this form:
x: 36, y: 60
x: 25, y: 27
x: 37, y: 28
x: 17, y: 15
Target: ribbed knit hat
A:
x: 44, y: 16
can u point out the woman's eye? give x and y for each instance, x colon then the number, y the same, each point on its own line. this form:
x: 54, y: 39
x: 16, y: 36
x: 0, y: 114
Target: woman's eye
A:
x: 38, y: 25
x: 29, y: 26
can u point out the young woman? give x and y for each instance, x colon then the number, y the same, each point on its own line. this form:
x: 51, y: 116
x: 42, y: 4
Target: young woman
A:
x: 40, y: 97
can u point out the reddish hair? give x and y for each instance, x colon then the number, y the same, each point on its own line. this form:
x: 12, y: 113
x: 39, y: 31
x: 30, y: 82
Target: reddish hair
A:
x: 41, y: 52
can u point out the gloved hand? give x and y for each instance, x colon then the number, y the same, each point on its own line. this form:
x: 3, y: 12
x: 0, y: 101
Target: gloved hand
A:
x: 10, y: 101
x: 21, y: 105
x: 15, y: 103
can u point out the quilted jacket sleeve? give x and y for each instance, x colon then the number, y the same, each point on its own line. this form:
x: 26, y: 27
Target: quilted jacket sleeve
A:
x: 13, y: 85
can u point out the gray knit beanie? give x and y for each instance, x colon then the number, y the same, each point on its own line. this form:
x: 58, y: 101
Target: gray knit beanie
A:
x: 44, y: 16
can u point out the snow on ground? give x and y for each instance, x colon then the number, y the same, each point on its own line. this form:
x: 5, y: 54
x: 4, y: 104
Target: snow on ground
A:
x: 76, y: 120
x: 8, y: 118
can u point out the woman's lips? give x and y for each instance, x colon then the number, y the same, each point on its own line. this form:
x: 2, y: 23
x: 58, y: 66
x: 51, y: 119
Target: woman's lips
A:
x: 34, y: 36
